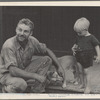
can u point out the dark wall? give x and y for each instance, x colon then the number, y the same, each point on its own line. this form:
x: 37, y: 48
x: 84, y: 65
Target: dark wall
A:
x: 1, y: 34
x: 53, y: 25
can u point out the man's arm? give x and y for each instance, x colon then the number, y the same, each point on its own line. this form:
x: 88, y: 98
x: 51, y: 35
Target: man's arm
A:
x: 56, y: 62
x: 9, y: 58
x: 16, y: 72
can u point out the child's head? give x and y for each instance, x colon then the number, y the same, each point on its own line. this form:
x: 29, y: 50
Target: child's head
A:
x: 81, y: 26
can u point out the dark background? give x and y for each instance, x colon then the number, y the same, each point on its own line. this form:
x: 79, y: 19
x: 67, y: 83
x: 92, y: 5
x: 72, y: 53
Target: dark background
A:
x: 53, y: 25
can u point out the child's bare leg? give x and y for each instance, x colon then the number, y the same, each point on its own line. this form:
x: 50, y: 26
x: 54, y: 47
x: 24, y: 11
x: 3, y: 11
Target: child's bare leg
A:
x: 82, y: 83
x: 85, y: 76
x: 88, y: 84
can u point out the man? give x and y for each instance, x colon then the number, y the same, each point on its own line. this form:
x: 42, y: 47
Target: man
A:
x: 24, y: 59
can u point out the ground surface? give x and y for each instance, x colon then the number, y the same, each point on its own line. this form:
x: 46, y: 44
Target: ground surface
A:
x: 56, y: 87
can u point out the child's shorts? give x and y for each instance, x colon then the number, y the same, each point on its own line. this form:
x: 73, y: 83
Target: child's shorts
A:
x: 85, y: 58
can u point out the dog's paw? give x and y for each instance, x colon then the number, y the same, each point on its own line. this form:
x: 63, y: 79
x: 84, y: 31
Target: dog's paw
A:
x: 76, y: 83
x: 64, y: 85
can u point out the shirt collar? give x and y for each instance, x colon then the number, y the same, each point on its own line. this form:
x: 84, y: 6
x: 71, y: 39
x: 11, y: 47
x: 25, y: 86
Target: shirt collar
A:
x: 18, y: 46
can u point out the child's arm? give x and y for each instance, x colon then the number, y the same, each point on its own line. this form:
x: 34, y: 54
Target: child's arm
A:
x: 98, y: 54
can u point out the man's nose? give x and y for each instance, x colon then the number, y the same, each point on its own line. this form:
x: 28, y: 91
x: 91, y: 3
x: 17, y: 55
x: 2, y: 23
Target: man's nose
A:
x: 22, y: 32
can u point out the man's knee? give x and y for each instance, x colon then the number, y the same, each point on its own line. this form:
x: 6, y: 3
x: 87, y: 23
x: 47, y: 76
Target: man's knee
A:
x: 18, y: 85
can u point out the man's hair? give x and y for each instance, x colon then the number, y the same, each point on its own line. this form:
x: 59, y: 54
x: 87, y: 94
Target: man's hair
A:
x: 27, y: 22
x: 81, y: 24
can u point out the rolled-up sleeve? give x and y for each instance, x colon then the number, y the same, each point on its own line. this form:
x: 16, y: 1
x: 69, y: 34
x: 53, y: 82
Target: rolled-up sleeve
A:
x: 42, y: 47
x: 39, y: 47
x: 8, y: 56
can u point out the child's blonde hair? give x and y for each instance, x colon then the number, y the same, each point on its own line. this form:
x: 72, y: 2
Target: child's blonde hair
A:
x: 81, y: 24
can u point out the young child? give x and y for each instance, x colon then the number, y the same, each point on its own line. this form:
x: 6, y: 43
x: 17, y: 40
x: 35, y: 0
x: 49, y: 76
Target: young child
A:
x: 84, y: 47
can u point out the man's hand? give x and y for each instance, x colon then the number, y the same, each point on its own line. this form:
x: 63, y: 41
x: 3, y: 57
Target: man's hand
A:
x: 61, y: 72
x: 41, y: 78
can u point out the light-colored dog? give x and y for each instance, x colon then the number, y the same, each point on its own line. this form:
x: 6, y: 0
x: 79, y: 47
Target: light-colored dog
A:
x: 92, y: 74
x: 93, y: 79
x: 69, y: 63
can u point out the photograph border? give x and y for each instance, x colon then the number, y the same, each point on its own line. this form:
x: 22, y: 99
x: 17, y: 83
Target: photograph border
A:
x: 21, y: 96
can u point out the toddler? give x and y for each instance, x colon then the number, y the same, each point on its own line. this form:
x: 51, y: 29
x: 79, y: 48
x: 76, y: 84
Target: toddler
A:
x: 84, y: 47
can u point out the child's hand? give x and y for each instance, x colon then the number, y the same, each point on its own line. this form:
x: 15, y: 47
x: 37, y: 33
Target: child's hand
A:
x: 74, y: 49
x: 97, y: 59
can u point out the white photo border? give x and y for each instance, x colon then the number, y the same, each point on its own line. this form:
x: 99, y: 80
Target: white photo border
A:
x: 31, y: 96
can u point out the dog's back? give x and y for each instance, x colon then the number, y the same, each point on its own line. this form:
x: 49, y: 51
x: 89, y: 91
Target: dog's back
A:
x: 93, y: 78
x: 67, y: 61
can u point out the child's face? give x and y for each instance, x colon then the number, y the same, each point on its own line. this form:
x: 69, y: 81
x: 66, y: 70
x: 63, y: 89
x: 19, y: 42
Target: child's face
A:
x: 82, y: 33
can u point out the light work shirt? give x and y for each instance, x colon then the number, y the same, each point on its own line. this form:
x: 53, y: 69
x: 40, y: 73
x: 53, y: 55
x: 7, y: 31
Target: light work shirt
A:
x: 12, y: 54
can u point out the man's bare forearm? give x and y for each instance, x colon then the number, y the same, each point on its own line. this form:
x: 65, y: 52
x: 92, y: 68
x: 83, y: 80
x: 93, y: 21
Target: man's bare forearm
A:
x: 16, y: 72
x: 54, y: 58
x: 58, y: 66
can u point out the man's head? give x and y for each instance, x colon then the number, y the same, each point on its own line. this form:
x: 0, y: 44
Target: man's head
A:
x: 24, y: 29
x: 81, y: 26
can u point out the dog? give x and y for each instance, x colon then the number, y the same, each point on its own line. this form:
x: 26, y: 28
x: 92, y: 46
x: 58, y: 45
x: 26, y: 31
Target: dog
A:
x: 92, y: 74
x: 69, y: 63
x: 93, y: 79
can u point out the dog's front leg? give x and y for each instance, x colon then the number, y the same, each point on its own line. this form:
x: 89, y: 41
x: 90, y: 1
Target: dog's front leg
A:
x: 64, y: 85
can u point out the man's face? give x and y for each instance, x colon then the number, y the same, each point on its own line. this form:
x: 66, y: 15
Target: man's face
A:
x: 23, y: 32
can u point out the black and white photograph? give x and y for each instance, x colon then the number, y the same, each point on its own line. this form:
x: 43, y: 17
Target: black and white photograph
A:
x: 49, y: 49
